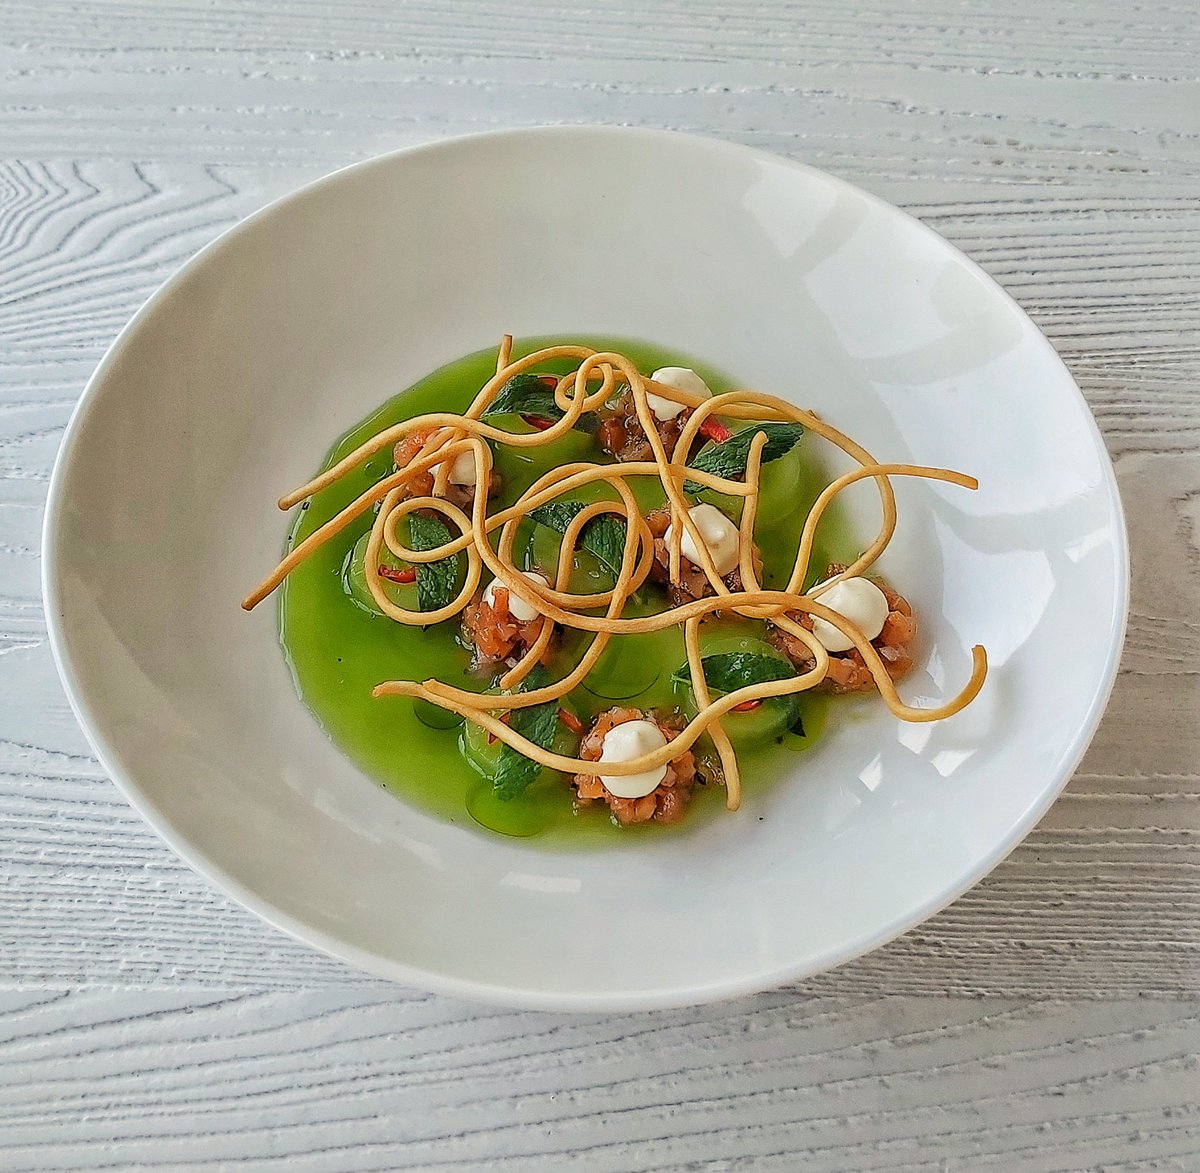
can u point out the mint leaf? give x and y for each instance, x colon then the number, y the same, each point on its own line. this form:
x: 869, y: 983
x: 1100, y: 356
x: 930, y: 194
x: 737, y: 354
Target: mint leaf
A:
x: 728, y: 671
x: 530, y: 394
x: 557, y: 514
x: 525, y: 394
x: 514, y: 771
x: 603, y: 537
x: 728, y: 459
x: 436, y: 581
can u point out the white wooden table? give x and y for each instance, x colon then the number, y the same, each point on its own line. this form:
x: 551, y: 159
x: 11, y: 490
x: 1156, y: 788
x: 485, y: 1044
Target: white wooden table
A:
x: 1047, y: 1021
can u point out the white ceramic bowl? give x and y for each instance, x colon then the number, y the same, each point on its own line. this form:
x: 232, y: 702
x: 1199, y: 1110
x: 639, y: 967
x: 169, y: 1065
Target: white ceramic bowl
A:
x: 229, y: 384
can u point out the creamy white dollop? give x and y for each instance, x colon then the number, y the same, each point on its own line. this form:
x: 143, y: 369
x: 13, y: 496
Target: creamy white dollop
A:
x: 681, y: 379
x: 520, y: 610
x: 860, y: 601
x: 625, y: 742
x: 719, y: 534
x: 462, y: 468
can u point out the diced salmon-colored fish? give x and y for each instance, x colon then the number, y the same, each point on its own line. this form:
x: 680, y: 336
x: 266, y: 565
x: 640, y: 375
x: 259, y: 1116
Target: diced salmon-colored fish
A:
x: 667, y: 803
x: 848, y: 671
x: 409, y: 448
x: 693, y: 582
x: 491, y: 631
x: 621, y: 433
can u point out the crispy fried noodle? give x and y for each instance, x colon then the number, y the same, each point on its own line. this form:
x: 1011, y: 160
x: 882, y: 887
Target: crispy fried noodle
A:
x: 597, y: 378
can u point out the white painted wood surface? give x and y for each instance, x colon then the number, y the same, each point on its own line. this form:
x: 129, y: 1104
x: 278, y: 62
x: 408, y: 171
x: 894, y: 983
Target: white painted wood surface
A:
x: 146, y: 1022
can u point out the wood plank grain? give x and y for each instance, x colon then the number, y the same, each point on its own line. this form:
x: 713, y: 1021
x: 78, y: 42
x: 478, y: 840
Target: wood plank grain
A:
x: 339, y: 1080
x: 928, y: 93
x: 1020, y: 35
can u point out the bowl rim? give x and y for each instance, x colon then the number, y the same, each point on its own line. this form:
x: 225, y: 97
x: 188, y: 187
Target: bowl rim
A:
x: 447, y: 983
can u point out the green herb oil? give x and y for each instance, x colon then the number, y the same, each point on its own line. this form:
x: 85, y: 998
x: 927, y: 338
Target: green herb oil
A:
x: 338, y: 651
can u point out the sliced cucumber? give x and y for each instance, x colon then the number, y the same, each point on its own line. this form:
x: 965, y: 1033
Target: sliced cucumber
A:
x: 354, y: 579
x: 779, y: 487
x: 434, y: 716
x: 587, y: 575
x: 481, y: 750
x: 525, y: 465
x: 628, y: 667
x: 483, y: 753
x: 770, y: 721
x: 518, y: 817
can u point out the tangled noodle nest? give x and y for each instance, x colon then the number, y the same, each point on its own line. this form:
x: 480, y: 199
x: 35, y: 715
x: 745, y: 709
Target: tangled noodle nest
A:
x: 610, y: 374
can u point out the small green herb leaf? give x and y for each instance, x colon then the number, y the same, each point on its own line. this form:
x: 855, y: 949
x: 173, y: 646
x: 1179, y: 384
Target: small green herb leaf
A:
x: 514, y: 771
x: 533, y: 395
x: 525, y: 394
x: 603, y: 537
x: 728, y: 458
x: 436, y: 581
x: 557, y: 515
x: 728, y: 671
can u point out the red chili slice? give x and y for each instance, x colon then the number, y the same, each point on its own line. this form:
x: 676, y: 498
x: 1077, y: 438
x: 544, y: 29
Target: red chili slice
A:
x: 538, y: 421
x: 746, y: 707
x: 713, y: 429
x: 402, y: 574
x: 570, y: 720
x: 506, y: 719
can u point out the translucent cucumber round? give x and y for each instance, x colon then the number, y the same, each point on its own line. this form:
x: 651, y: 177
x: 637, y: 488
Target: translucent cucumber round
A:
x: 525, y: 465
x: 484, y: 752
x: 434, y: 716
x: 354, y: 579
x: 564, y: 742
x: 780, y: 485
x: 628, y: 667
x: 481, y: 749
x: 587, y: 575
x: 812, y: 715
x: 519, y: 817
x: 769, y: 722
x: 734, y: 635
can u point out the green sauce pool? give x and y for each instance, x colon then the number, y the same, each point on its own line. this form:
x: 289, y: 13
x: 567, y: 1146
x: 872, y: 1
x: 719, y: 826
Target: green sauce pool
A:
x: 338, y: 651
